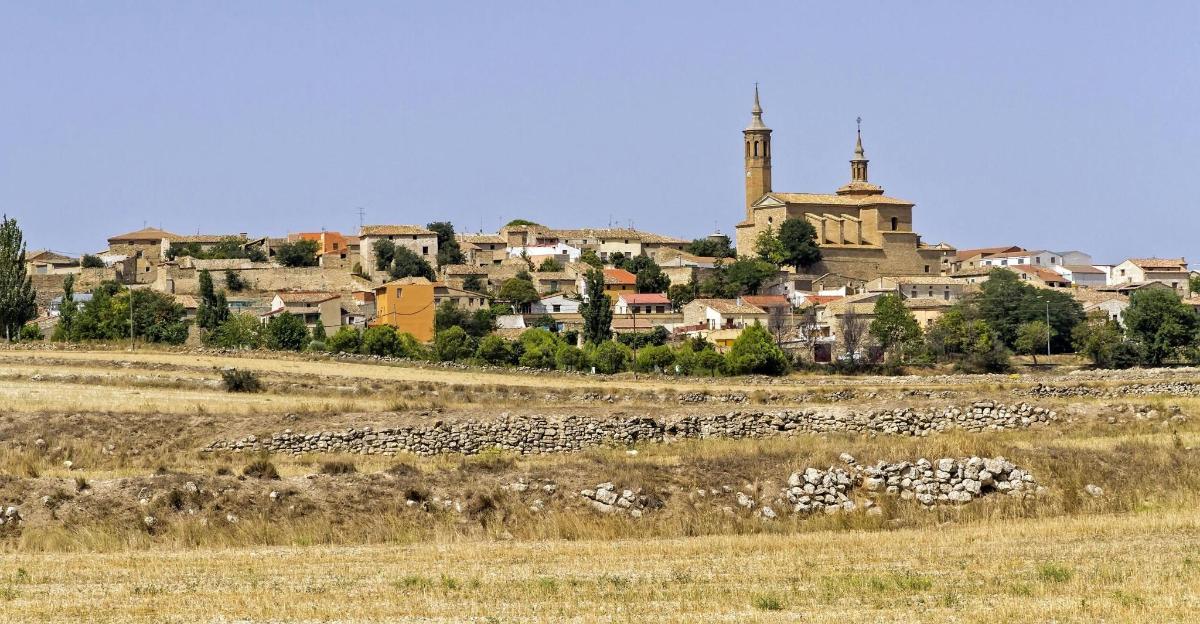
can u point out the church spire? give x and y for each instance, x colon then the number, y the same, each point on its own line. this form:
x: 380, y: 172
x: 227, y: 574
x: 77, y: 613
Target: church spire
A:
x: 756, y: 122
x: 859, y: 185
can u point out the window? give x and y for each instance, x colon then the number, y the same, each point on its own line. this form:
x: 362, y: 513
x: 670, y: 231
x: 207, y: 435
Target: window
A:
x: 335, y: 246
x: 557, y: 307
x: 895, y: 223
x: 946, y: 295
x: 425, y: 251
x: 927, y: 268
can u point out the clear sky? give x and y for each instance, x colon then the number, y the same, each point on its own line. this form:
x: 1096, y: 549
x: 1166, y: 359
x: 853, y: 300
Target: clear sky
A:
x: 1058, y: 125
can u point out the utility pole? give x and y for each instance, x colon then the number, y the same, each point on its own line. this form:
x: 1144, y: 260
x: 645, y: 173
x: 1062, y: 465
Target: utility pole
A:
x: 131, y: 319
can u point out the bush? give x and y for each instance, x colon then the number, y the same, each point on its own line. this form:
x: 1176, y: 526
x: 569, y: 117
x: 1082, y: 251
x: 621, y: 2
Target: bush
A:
x: 346, y: 340
x: 338, y: 468
x: 261, y: 469
x: 569, y: 357
x: 653, y: 359
x: 710, y: 361
x: 31, y: 332
x: 496, y: 350
x: 381, y: 340
x: 453, y: 344
x: 234, y: 282
x: 240, y: 331
x: 236, y: 380
x: 91, y: 262
x: 539, y: 349
x: 754, y: 352
x: 286, y: 332
x: 610, y: 357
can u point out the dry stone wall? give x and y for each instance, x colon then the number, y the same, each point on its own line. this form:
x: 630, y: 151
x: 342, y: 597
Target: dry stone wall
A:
x: 538, y: 434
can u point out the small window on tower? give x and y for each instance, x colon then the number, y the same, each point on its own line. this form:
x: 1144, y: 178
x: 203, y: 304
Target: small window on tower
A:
x: 895, y: 223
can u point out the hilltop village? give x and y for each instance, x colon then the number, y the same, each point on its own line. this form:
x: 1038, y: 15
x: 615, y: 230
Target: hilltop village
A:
x: 810, y: 268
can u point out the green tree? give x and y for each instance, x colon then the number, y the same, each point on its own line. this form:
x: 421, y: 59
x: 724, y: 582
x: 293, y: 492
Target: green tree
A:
x: 596, y: 310
x: 406, y: 263
x: 346, y: 339
x: 1159, y: 323
x: 651, y: 279
x: 589, y: 257
x: 710, y: 360
x: 1032, y: 336
x: 233, y: 281
x: 539, y: 349
x: 610, y: 357
x: 682, y: 294
x: 496, y: 350
x: 474, y: 283
x: 959, y: 335
x: 318, y: 332
x: 382, y: 340
x: 286, y: 332
x: 1100, y: 339
x: 755, y: 352
x: 655, y: 358
x: 453, y: 344
x: 301, y: 253
x: 1004, y: 301
x: 449, y: 251
x: 768, y: 247
x: 31, y: 332
x: 239, y: 331
x: 550, y: 265
x: 212, y: 310
x: 713, y: 247
x: 67, y: 310
x: 520, y: 293
x: 894, y: 326
x: 17, y: 297
x: 747, y: 275
x: 384, y: 252
x: 521, y: 223
x: 90, y: 261
x: 569, y: 357
x: 1194, y: 284
x: 798, y: 238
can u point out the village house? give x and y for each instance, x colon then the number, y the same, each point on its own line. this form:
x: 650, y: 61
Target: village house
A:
x: 722, y: 314
x: 1113, y: 304
x: 914, y: 286
x: 605, y: 242
x: 616, y: 282
x: 416, y: 239
x: 1170, y: 271
x: 334, y: 250
x: 967, y: 259
x: 483, y: 249
x: 1083, y: 275
x: 463, y: 299
x: 45, y: 262
x: 556, y: 303
x: 407, y: 305
x: 1025, y: 257
x: 647, y: 303
x: 927, y: 310
x: 560, y: 252
x: 313, y: 307
x: 143, y: 249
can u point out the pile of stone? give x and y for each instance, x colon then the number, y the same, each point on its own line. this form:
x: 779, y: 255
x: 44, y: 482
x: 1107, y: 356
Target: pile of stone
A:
x: 11, y: 517
x: 606, y: 499
x: 1172, y: 388
x: 945, y: 481
x: 541, y: 434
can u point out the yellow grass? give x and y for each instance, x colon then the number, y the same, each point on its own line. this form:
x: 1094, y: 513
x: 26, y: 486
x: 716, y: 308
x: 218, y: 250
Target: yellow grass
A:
x: 1131, y: 568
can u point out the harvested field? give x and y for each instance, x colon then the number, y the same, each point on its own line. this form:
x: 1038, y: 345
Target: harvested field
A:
x: 120, y: 516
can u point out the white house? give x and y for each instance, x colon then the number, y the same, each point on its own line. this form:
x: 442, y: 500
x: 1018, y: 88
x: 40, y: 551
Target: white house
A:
x: 1172, y: 272
x: 1084, y: 275
x: 555, y: 304
x: 562, y: 252
x: 1024, y: 257
x: 1075, y: 257
x: 722, y: 314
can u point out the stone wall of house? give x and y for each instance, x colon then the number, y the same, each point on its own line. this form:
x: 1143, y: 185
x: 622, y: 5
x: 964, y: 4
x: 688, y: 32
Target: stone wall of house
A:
x: 186, y: 281
x: 47, y: 287
x: 537, y: 434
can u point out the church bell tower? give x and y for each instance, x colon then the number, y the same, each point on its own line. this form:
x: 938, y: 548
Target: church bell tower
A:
x: 758, y: 156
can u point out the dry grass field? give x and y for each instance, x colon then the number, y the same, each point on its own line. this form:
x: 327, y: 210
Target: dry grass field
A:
x: 93, y: 442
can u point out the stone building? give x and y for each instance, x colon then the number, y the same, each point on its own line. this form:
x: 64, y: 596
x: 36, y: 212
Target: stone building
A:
x: 863, y: 233
x: 415, y: 238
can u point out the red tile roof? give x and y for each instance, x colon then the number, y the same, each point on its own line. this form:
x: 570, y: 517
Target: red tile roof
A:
x: 769, y: 301
x: 619, y: 276
x: 645, y: 298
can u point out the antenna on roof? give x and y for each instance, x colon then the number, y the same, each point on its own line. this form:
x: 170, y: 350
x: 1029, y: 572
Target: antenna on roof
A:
x: 361, y: 212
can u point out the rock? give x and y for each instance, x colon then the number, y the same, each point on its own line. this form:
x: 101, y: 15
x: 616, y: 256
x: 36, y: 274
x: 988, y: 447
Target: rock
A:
x: 1093, y: 490
x: 744, y: 501
x: 149, y: 521
x: 767, y: 512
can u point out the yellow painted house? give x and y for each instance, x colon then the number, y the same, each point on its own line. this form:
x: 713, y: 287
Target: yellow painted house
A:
x: 406, y: 304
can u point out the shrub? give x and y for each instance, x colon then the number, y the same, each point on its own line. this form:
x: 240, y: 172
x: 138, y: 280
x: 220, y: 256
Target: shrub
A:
x: 754, y: 352
x: 239, y: 331
x: 1054, y: 573
x: 569, y: 357
x: 655, y: 358
x: 30, y: 332
x: 346, y: 340
x: 90, y: 261
x: 286, y: 332
x: 496, y: 350
x: 767, y: 602
x: 236, y: 380
x: 261, y: 469
x: 539, y: 349
x: 381, y: 340
x: 610, y: 357
x: 453, y: 344
x: 338, y: 468
x: 234, y: 282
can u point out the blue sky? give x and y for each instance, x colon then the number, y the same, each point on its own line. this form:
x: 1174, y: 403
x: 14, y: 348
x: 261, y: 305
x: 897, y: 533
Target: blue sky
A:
x: 1060, y: 125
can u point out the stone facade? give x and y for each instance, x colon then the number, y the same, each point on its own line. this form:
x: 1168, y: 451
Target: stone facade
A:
x: 863, y: 233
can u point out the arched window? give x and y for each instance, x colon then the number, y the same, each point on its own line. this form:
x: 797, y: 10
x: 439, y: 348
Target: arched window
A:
x: 747, y: 149
x: 895, y: 222
x: 756, y: 149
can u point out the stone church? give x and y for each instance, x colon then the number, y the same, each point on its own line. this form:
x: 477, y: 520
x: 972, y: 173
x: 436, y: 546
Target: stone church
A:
x: 863, y: 233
